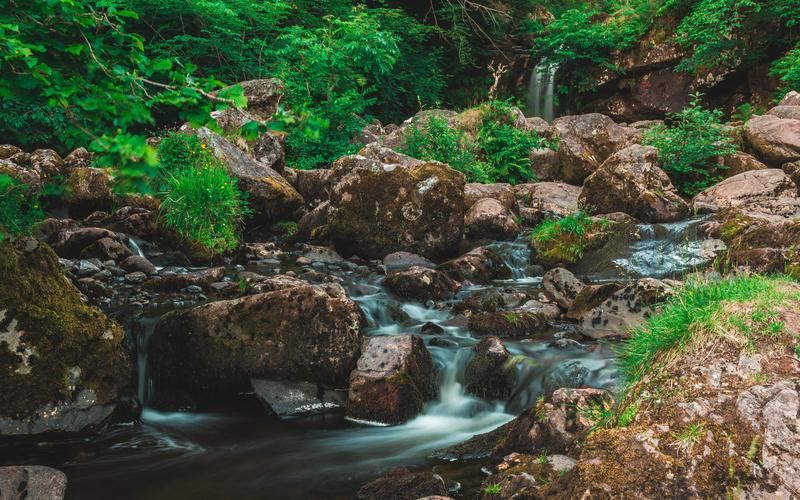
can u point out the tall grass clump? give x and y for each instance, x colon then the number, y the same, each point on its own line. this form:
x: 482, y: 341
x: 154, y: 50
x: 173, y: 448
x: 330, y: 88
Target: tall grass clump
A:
x: 200, y: 201
x: 696, y: 310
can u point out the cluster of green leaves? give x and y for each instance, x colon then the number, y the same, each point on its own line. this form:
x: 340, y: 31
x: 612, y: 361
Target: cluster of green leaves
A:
x: 86, y: 78
x: 565, y: 240
x: 341, y: 62
x: 19, y: 207
x: 496, y: 151
x: 200, y: 201
x: 505, y: 148
x: 689, y: 146
x: 436, y: 140
x: 787, y: 69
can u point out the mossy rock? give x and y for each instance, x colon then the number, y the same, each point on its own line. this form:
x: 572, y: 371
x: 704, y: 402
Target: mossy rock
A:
x: 390, y: 208
x: 52, y: 344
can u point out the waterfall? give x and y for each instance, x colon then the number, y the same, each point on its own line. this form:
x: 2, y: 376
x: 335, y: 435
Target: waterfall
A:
x: 541, y: 89
x: 134, y: 247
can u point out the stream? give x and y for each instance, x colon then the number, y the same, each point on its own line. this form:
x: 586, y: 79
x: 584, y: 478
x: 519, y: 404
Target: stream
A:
x: 237, y: 451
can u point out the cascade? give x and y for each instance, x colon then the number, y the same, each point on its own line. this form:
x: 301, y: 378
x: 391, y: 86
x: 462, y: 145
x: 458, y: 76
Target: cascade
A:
x: 541, y: 89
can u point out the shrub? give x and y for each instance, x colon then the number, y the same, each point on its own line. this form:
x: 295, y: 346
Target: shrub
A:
x: 487, y: 149
x: 19, y: 209
x: 505, y: 148
x: 200, y: 201
x: 436, y: 140
x: 689, y: 146
x: 564, y: 241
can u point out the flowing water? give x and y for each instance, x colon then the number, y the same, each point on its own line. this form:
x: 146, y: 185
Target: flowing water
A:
x: 540, y: 95
x: 237, y: 451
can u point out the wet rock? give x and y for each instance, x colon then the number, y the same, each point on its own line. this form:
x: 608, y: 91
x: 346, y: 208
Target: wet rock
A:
x: 109, y: 248
x: 72, y: 242
x: 549, y: 310
x: 403, y: 484
x: 138, y: 263
x: 173, y: 282
x: 768, y: 191
x: 323, y: 255
x: 562, y: 285
x: 571, y: 374
x: 612, y: 309
x: 300, y: 333
x: 543, y: 200
x: 429, y: 328
x: 774, y: 140
x: 526, y: 476
x: 393, y: 379
x: 490, y: 373
x: 558, y: 425
x: 480, y: 265
x: 518, y: 323
x: 294, y: 399
x: 137, y: 277
x: 422, y: 284
x: 398, y: 261
x: 489, y: 219
x: 502, y: 192
x: 388, y: 208
x: 270, y: 196
x: 586, y: 141
x: 630, y: 181
x: 737, y: 163
x: 32, y: 482
x: 64, y: 367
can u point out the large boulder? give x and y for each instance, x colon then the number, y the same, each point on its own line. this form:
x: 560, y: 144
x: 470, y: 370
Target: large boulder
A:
x: 270, y: 196
x: 774, y: 140
x: 394, y: 377
x: 32, y: 482
x: 586, y: 141
x: 63, y: 367
x: 490, y: 373
x: 291, y: 332
x: 768, y: 191
x: 612, y: 309
x: 379, y: 208
x: 543, y: 200
x: 630, y: 181
x: 311, y: 184
x: 422, y: 283
x: 490, y: 219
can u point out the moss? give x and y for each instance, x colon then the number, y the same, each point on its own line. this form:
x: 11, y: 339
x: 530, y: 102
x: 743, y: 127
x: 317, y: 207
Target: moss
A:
x: 63, y: 331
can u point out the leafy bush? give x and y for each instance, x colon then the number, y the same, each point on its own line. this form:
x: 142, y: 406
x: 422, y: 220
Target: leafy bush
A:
x: 436, y: 140
x: 200, y: 201
x: 689, y: 146
x: 787, y: 69
x: 505, y: 148
x: 19, y: 209
x: 564, y: 241
x: 490, y: 150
